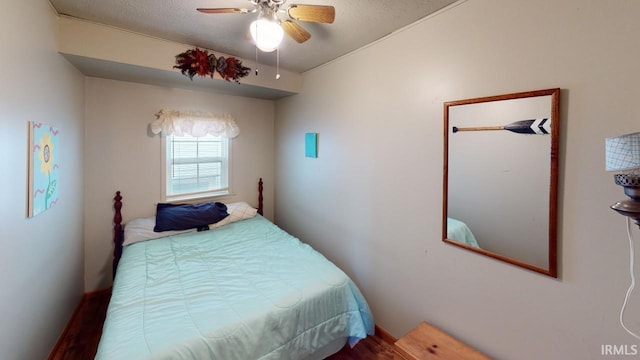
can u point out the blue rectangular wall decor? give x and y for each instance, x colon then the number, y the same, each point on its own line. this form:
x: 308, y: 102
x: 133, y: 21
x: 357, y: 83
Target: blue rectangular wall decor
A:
x: 311, y: 145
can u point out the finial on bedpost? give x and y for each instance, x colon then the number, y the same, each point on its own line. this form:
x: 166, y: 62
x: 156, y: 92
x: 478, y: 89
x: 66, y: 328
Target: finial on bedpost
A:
x: 117, y: 231
x: 260, y: 204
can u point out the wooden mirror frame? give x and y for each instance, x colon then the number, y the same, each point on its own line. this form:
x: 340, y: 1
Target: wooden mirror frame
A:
x: 552, y: 269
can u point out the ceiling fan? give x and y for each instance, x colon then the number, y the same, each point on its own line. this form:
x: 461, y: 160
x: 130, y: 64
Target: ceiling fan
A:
x: 268, y: 30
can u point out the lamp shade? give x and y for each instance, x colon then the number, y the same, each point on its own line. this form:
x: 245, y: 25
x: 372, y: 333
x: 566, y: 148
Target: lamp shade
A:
x: 267, y: 34
x: 623, y: 152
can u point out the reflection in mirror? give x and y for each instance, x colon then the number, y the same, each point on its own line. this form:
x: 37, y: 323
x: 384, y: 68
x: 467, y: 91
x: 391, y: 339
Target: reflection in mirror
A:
x: 500, y: 177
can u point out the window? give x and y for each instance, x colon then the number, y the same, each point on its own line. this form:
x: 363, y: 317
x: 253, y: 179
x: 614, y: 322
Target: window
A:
x: 195, y: 167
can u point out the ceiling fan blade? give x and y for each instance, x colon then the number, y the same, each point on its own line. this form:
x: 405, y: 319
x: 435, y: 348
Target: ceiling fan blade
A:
x: 223, y: 10
x: 295, y: 31
x: 314, y: 13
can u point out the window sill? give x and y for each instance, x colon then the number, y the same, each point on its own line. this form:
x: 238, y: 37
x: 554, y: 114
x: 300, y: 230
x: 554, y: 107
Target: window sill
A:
x: 192, y: 198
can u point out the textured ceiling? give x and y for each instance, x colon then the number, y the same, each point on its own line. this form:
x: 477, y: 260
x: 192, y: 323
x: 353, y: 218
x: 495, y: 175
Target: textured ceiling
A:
x: 357, y: 23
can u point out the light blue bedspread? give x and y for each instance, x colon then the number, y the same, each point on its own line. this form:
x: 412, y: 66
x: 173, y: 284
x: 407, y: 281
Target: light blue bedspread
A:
x: 247, y: 290
x: 457, y: 230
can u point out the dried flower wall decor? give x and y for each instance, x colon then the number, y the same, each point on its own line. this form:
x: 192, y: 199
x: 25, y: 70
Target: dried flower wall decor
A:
x: 199, y: 62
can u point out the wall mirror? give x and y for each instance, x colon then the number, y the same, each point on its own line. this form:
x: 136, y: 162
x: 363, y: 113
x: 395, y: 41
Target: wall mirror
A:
x: 500, y: 177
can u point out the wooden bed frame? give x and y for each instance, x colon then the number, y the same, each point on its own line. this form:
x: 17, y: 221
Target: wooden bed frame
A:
x: 118, y: 228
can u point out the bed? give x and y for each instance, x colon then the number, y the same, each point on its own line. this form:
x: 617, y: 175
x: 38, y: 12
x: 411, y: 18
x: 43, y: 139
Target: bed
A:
x: 242, y: 290
x: 459, y: 231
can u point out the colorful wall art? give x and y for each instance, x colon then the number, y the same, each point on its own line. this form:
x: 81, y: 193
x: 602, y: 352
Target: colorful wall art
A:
x: 44, y: 167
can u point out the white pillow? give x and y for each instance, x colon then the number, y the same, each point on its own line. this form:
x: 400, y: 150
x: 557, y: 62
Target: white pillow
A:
x: 141, y: 229
x: 237, y: 211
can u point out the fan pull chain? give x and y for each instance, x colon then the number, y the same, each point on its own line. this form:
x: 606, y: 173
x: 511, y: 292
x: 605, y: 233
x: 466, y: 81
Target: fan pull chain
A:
x: 277, y: 63
x: 256, y: 60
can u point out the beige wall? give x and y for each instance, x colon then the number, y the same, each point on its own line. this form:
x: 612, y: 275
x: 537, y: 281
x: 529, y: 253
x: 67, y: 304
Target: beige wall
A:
x: 122, y: 154
x: 41, y: 261
x: 372, y: 199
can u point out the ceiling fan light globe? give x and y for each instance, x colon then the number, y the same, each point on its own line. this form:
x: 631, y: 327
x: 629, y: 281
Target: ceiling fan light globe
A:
x: 266, y: 34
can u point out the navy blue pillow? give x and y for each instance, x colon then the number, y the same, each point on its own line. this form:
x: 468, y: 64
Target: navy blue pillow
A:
x: 188, y: 216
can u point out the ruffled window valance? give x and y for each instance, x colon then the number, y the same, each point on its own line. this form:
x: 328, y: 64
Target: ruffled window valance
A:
x: 197, y: 124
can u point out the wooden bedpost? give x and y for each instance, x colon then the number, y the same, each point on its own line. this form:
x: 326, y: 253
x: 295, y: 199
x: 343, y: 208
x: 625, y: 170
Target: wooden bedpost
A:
x: 260, y: 205
x: 117, y: 231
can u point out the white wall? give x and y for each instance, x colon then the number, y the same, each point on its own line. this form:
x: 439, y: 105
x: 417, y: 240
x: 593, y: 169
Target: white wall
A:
x: 41, y: 261
x: 122, y: 154
x: 372, y: 199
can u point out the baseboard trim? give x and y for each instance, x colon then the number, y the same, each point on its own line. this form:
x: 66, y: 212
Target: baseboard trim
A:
x: 385, y: 335
x: 92, y: 294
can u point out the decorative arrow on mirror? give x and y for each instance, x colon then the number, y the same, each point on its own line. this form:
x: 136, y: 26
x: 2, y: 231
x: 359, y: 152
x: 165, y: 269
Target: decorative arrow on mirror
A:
x: 531, y: 127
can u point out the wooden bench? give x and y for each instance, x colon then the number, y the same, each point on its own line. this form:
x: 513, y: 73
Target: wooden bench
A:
x: 428, y: 342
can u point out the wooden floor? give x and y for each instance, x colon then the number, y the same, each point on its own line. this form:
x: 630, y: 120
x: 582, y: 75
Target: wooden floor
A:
x: 83, y: 332
x: 83, y: 335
